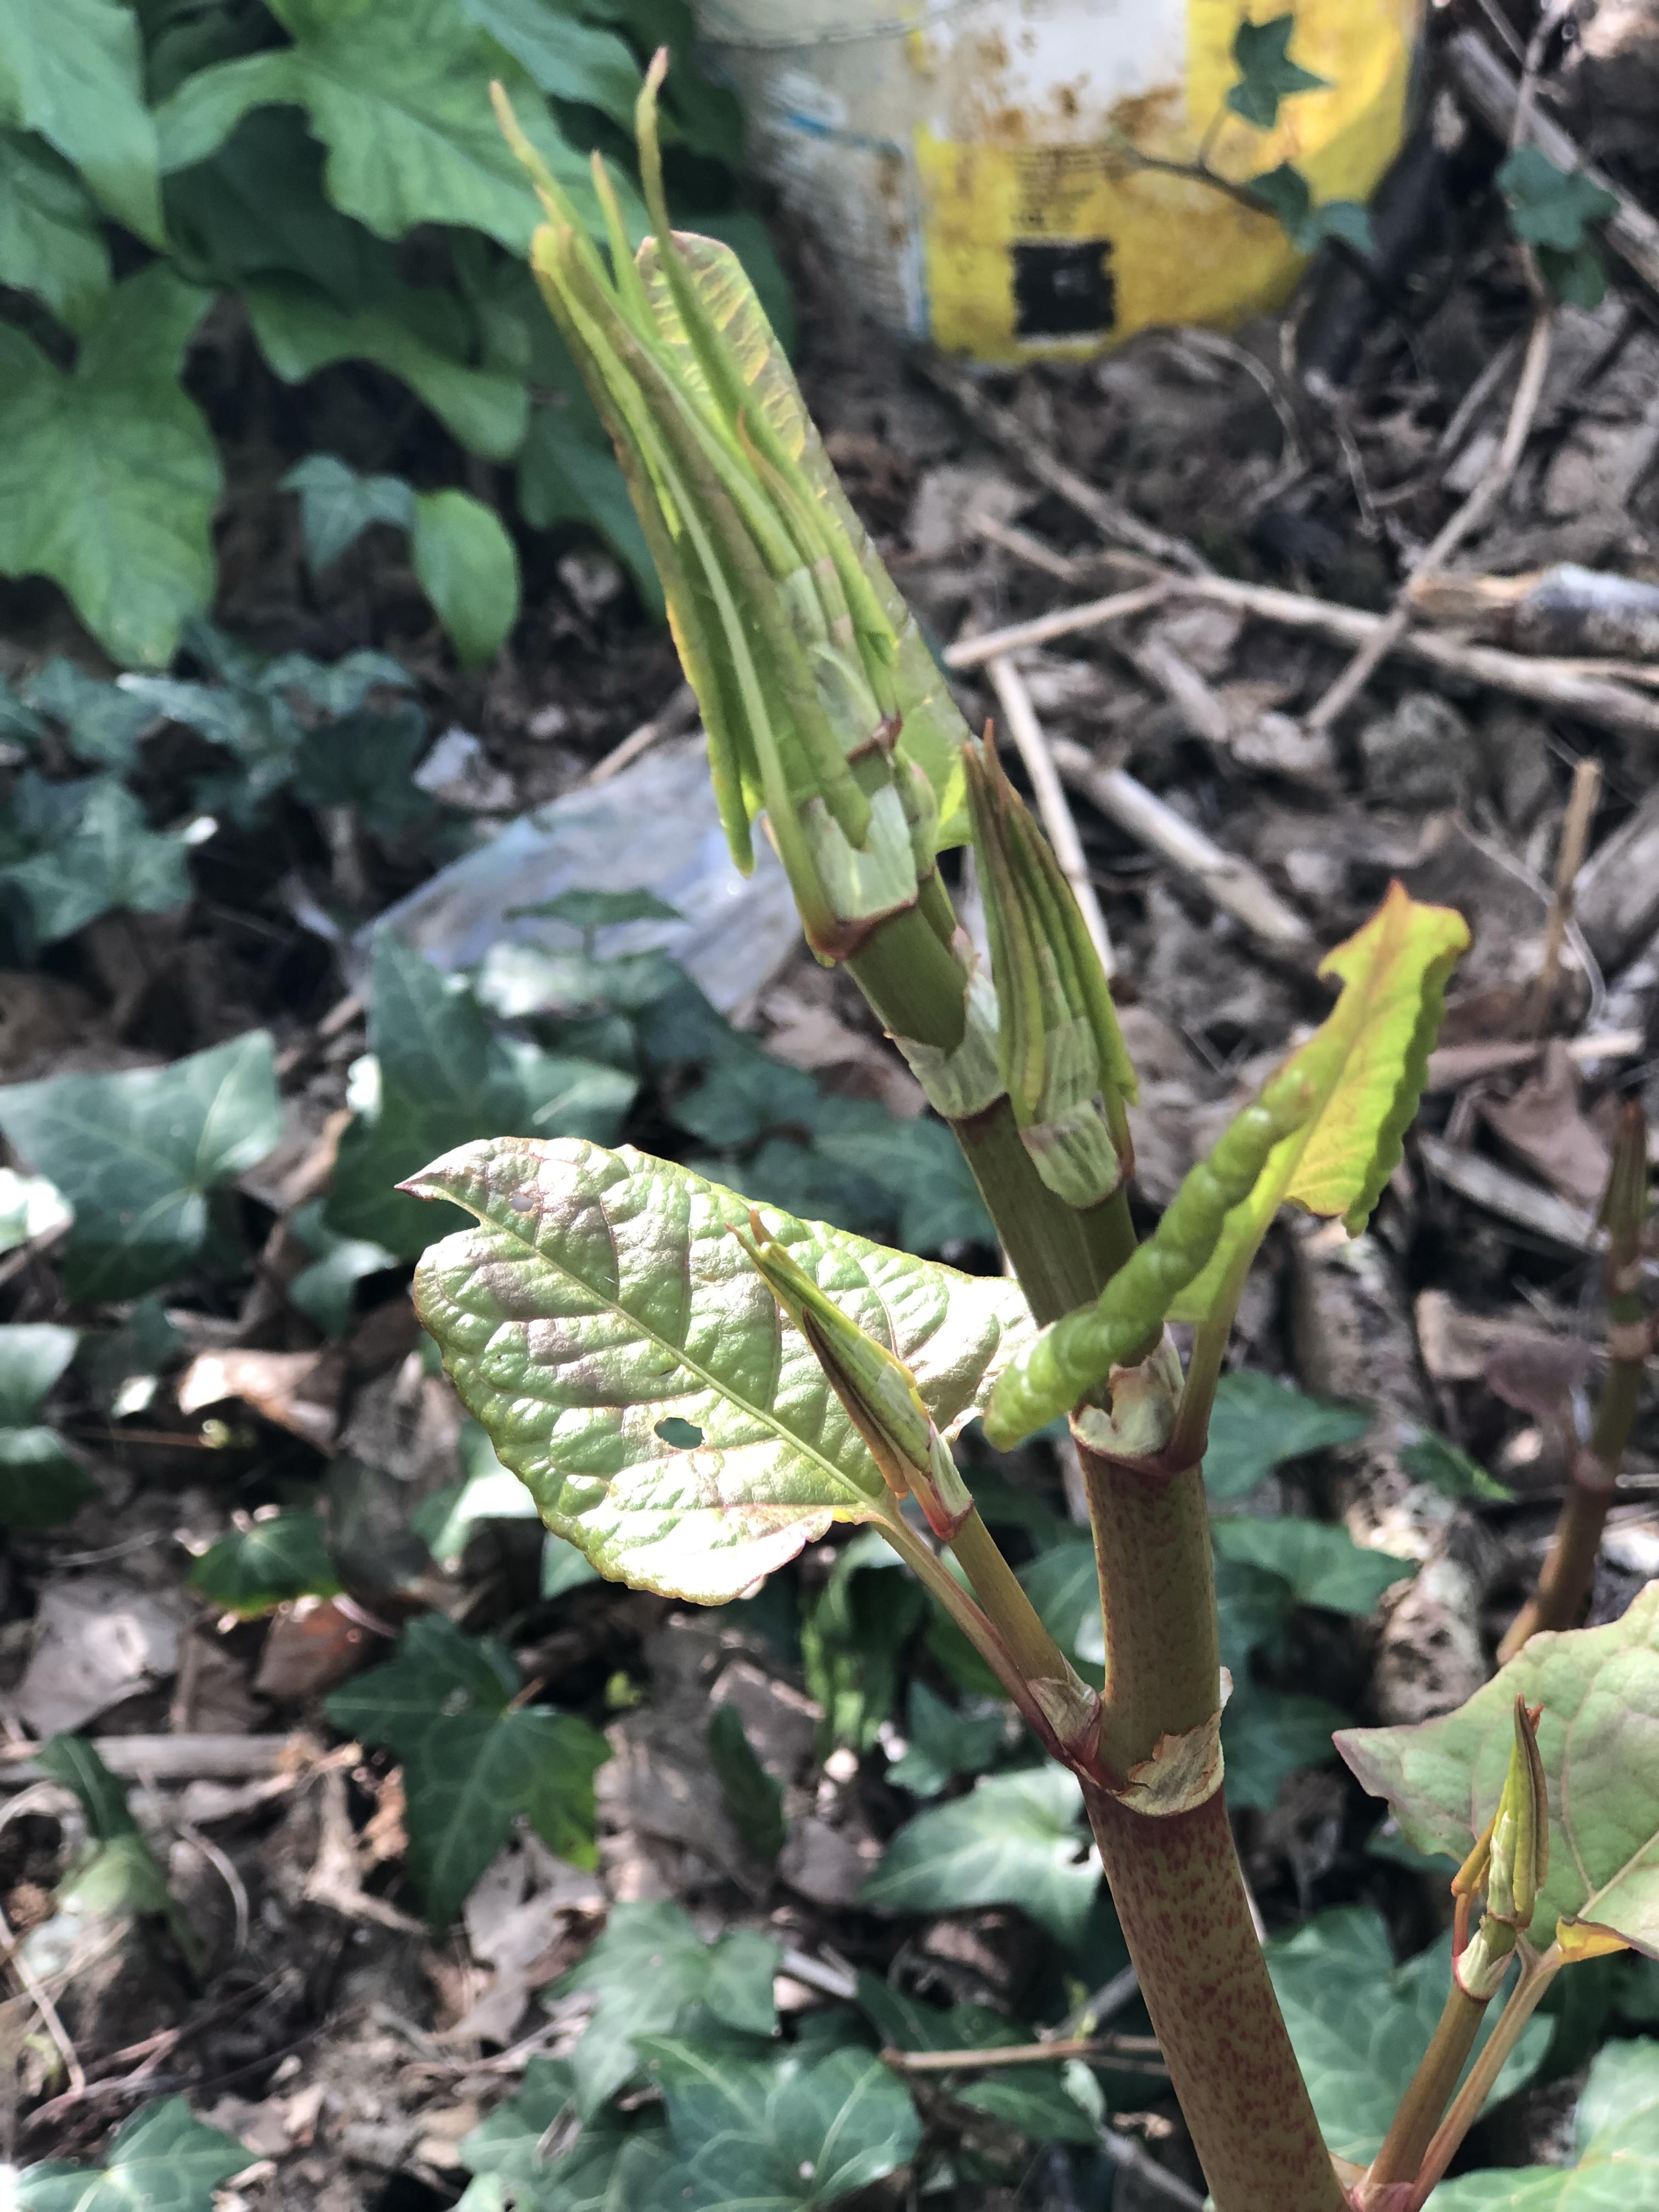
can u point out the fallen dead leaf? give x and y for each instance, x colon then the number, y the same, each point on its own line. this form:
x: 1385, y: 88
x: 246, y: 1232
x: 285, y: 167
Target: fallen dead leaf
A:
x: 299, y: 1391
x: 98, y: 1639
x: 1544, y: 1125
x: 312, y: 1643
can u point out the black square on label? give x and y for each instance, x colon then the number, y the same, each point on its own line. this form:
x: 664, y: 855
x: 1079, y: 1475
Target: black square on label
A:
x: 1063, y: 287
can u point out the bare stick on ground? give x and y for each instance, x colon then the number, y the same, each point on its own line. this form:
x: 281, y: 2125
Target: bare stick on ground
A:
x: 1052, y: 805
x: 1575, y: 835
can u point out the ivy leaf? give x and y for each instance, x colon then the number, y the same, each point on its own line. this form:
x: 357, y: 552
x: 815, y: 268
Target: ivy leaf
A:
x: 1013, y: 1840
x: 445, y: 1706
x: 1036, y: 2099
x: 1266, y: 75
x: 104, y: 857
x: 468, y: 568
x: 1360, y: 2024
x: 162, y: 2159
x: 851, y: 1635
x: 72, y: 70
x: 337, y: 505
x: 772, y: 2134
x: 1448, y: 1468
x: 1322, y: 1563
x: 944, y: 1742
x: 138, y: 1153
x: 1286, y: 194
x: 108, y: 474
x: 611, y: 2166
x: 1617, y: 2139
x: 103, y: 723
x: 1599, y: 1689
x: 1267, y: 1735
x: 1257, y: 1424
x: 50, y: 243
x: 255, y: 1568
x: 1550, y: 206
x: 648, y: 1971
x: 116, y: 1875
x: 753, y: 1797
x: 398, y: 91
x: 1063, y: 1584
x: 602, y: 1292
x: 917, y: 1164
x: 444, y: 1076
x: 1325, y: 1133
x: 1576, y: 279
x: 41, y: 1483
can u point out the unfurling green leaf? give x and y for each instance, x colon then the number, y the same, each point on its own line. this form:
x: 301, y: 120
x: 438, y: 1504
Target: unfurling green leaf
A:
x: 603, y: 1292
x: 473, y: 1756
x: 1598, y: 1691
x: 1060, y: 1054
x: 1325, y: 1133
x: 822, y: 705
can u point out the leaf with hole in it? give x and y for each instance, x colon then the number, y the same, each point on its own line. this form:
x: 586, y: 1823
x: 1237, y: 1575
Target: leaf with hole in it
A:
x: 161, y: 2159
x: 1360, y: 2024
x: 782, y: 2130
x: 1325, y: 1133
x: 473, y: 1756
x: 1013, y: 1840
x: 603, y: 1291
x: 255, y: 1569
x: 1322, y: 1563
x: 108, y: 471
x: 1599, y: 1690
x: 1257, y: 1424
x: 40, y: 1483
x: 137, y: 1155
x: 754, y: 1798
x: 1615, y: 2134
x: 650, y: 1970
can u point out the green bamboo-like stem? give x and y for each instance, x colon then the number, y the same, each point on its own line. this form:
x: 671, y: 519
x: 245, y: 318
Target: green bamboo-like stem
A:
x: 1406, y: 2143
x: 1002, y: 1595
x: 1537, y: 1972
x: 1185, y: 1917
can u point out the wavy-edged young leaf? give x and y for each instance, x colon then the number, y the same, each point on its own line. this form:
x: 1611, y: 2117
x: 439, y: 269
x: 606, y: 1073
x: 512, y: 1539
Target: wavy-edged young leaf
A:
x: 780, y: 2131
x: 649, y: 1971
x: 108, y: 473
x: 138, y: 1153
x: 1325, y: 1132
x: 1616, y: 2135
x: 162, y: 2159
x: 398, y: 91
x: 1599, y: 1691
x: 73, y: 70
x: 1360, y: 2024
x: 602, y: 1293
x: 473, y: 1757
x: 51, y: 241
x: 1013, y: 1840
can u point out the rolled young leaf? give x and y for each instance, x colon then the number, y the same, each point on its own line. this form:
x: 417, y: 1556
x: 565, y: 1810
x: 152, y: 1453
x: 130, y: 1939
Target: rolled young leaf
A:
x: 1325, y: 1132
x: 635, y: 1372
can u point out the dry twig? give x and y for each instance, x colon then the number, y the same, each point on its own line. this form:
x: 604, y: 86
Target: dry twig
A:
x: 1052, y: 805
x: 1575, y: 835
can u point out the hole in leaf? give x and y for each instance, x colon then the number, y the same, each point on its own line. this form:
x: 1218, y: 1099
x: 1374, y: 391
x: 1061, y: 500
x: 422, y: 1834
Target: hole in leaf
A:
x: 684, y: 1436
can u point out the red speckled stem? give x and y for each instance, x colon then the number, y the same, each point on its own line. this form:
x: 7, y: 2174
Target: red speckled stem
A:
x: 1180, y: 1898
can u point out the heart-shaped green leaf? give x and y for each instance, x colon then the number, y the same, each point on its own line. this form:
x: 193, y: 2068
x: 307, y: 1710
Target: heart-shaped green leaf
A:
x: 1599, y: 1689
x: 162, y: 2159
x: 1617, y: 2138
x: 602, y: 1293
x: 1013, y: 1840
